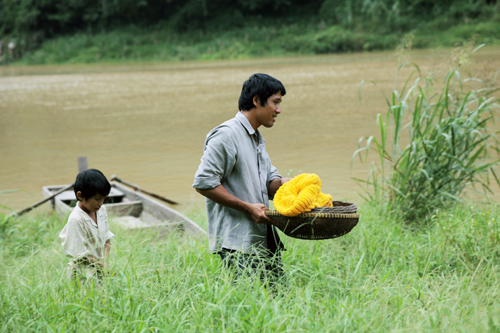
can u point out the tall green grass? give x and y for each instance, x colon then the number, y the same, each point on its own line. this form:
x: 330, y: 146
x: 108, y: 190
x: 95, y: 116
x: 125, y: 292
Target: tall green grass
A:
x: 435, y: 140
x: 4, y: 219
x: 381, y: 277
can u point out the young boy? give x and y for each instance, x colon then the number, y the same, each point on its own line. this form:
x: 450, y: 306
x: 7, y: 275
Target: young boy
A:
x: 86, y: 236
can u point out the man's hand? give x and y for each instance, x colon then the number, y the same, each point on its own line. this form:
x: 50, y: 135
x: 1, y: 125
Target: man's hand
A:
x: 221, y: 196
x: 258, y: 213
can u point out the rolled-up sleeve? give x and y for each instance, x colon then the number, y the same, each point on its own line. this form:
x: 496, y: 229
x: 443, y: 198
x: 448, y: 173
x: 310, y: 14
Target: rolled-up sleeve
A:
x: 272, y: 172
x: 103, y: 214
x: 109, y: 235
x: 219, y: 157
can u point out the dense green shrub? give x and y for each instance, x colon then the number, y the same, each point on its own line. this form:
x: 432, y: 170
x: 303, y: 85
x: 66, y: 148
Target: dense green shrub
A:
x: 90, y: 31
x: 52, y: 17
x: 402, y: 15
x: 451, y: 145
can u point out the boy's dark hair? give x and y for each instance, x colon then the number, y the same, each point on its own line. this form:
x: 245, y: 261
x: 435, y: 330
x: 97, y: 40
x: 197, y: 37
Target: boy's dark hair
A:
x: 90, y: 182
x: 262, y: 85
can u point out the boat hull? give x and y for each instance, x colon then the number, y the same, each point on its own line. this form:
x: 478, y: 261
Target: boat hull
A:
x: 136, y: 211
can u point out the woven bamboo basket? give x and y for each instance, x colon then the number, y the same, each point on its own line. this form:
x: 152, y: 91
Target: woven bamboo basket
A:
x: 320, y: 223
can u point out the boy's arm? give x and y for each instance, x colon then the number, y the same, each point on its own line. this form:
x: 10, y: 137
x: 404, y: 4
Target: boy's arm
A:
x: 94, y: 260
x: 107, y: 247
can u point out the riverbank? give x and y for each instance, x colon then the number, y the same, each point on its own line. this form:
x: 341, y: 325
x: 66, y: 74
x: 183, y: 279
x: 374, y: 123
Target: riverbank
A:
x: 383, y: 276
x: 133, y: 44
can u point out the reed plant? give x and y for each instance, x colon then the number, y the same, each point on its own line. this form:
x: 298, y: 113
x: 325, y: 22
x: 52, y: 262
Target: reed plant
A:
x: 4, y: 219
x: 451, y: 144
x: 5, y: 192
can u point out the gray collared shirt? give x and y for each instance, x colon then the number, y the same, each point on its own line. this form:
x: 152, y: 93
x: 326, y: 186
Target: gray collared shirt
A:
x: 235, y: 157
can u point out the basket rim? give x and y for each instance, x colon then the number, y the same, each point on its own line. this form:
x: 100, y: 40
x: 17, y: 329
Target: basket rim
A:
x: 320, y: 215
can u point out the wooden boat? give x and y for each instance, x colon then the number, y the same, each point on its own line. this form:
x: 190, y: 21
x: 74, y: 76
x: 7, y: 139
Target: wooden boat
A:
x: 130, y: 210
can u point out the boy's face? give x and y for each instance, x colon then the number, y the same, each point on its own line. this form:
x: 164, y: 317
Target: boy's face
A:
x: 92, y: 204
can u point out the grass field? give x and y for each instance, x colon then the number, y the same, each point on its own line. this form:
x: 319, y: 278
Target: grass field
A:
x: 382, y: 277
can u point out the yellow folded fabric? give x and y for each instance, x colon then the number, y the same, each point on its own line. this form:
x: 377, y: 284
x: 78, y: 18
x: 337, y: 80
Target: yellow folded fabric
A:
x: 300, y: 195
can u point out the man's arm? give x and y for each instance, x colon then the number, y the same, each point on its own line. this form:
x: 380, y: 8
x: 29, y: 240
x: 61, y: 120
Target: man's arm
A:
x: 275, y: 184
x: 221, y: 196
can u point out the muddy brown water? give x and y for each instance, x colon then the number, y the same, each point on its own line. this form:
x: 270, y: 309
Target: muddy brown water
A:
x: 147, y: 122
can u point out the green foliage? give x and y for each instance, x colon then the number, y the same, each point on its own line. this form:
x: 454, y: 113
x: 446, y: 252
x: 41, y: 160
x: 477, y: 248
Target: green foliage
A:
x: 478, y: 241
x: 22, y: 235
x: 4, y: 220
x: 443, y: 277
x: 162, y: 44
x: 336, y: 39
x: 387, y: 16
x: 443, y: 33
x: 450, y: 145
x: 53, y: 17
x: 354, y: 25
x: 8, y: 191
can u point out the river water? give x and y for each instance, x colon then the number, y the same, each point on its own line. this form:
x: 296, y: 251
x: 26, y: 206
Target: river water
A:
x: 146, y: 123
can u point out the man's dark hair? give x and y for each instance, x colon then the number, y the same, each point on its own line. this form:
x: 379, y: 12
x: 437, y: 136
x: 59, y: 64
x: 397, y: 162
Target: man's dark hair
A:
x: 262, y: 85
x: 90, y: 182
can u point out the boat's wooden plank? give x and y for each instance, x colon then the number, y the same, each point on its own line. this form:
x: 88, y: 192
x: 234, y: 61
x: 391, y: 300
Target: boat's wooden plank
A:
x: 82, y: 163
x: 159, y: 229
x: 61, y: 208
x: 70, y: 195
x: 162, y: 212
x: 131, y: 208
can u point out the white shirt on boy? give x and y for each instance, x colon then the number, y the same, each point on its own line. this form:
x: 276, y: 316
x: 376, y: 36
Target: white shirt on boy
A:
x: 81, y: 237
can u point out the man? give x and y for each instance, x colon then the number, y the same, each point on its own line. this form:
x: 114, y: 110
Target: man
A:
x: 237, y: 178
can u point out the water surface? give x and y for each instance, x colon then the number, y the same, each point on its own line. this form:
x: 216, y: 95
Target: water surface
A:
x: 147, y: 122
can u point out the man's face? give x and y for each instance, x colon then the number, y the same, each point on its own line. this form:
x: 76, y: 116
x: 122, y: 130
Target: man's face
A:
x: 266, y: 115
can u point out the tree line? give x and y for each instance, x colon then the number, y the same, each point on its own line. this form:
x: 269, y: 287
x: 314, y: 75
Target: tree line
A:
x: 54, y: 17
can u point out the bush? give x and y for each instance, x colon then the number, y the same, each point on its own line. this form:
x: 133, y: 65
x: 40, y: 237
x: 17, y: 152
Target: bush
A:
x: 450, y: 145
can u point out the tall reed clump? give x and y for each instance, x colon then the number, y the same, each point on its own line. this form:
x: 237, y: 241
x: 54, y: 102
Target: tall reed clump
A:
x: 450, y: 145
